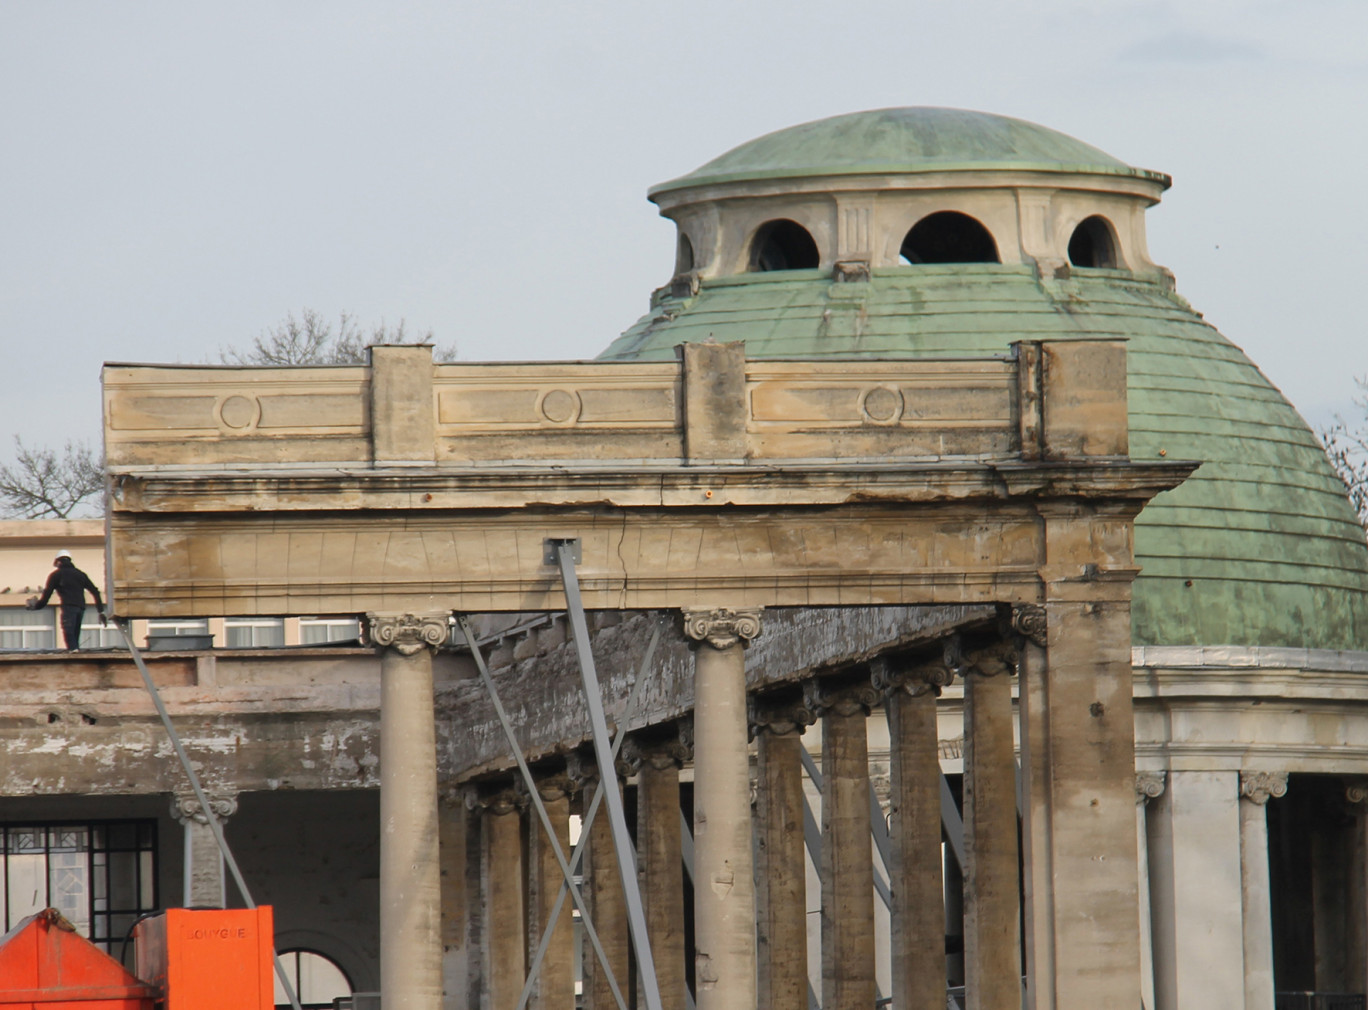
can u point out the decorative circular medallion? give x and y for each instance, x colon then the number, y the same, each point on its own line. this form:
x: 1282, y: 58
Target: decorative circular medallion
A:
x: 882, y: 405
x: 239, y: 412
x: 560, y: 407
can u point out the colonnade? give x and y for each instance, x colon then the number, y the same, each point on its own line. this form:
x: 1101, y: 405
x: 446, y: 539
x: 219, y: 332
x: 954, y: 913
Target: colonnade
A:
x: 749, y: 926
x: 749, y: 938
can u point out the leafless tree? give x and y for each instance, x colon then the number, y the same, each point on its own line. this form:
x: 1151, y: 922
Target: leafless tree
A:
x: 309, y: 339
x: 44, y: 483
x: 1346, y: 444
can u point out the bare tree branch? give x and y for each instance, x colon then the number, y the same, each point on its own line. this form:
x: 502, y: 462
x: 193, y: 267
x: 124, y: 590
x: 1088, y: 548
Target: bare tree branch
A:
x: 1347, y: 447
x: 42, y: 483
x: 311, y: 340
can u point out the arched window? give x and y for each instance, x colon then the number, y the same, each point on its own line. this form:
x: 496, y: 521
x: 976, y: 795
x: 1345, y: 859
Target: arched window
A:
x: 1092, y: 244
x: 684, y: 258
x: 783, y: 245
x: 949, y: 237
x: 317, y: 980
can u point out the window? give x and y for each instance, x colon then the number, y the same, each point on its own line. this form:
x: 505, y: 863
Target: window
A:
x: 28, y: 629
x: 1092, y: 245
x: 100, y: 875
x: 949, y: 237
x: 182, y: 626
x: 94, y: 635
x: 321, y: 630
x: 254, y: 632
x: 783, y: 245
x: 317, y: 980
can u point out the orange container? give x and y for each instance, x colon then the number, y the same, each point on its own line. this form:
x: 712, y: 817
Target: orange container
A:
x: 209, y: 959
x: 45, y: 963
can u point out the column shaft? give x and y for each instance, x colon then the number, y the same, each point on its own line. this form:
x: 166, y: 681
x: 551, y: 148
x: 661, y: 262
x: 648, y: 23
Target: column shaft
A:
x: 724, y: 888
x: 410, y: 875
x: 662, y: 875
x: 554, y: 988
x: 991, y: 880
x: 847, y: 862
x: 781, y: 872
x: 609, y: 909
x: 453, y: 826
x: 918, y: 913
x: 504, y: 885
x: 1258, y: 909
x: 1195, y: 886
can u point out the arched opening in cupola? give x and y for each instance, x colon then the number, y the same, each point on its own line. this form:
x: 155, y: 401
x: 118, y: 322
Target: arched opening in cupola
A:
x: 783, y: 245
x: 684, y: 256
x: 1092, y: 244
x: 949, y: 237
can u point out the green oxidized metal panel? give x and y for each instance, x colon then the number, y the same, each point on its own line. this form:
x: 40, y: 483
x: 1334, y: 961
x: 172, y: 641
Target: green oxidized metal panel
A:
x: 1259, y: 547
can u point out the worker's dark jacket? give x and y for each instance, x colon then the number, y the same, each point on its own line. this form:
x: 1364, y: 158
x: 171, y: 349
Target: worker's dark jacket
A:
x: 70, y: 585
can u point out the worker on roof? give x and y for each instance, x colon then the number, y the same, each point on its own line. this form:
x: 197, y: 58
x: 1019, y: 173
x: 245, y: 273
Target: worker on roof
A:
x: 70, y: 584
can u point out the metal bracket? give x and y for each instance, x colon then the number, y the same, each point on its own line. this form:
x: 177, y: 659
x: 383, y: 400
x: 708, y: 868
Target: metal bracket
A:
x: 550, y: 555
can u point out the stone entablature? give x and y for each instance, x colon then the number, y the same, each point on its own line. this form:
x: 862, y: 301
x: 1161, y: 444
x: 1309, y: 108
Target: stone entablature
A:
x: 776, y: 484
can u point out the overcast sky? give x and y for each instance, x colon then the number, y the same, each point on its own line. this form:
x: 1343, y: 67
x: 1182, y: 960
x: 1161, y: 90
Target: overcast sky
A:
x: 176, y: 177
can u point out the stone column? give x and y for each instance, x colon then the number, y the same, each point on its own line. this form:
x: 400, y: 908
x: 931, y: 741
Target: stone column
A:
x: 661, y: 860
x: 1195, y: 889
x: 504, y: 887
x: 1256, y: 788
x: 554, y: 988
x: 918, y: 912
x: 608, y: 907
x: 1148, y: 786
x: 724, y: 883
x: 451, y: 848
x: 204, y: 883
x: 410, y: 869
x: 847, y: 859
x: 1078, y: 758
x: 992, y: 937
x: 781, y: 867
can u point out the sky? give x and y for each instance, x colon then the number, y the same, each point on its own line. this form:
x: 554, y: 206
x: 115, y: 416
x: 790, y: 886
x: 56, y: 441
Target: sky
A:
x: 175, y: 178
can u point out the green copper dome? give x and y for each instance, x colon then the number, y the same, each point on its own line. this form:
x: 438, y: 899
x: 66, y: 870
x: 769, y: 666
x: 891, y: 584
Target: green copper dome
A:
x: 904, y: 141
x: 1259, y: 548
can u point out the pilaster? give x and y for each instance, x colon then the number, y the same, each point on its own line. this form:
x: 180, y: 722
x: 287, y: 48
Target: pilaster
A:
x: 204, y: 884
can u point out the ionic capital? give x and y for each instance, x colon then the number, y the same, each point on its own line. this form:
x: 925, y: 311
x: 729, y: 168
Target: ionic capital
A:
x: 722, y: 628
x: 780, y: 716
x: 1356, y: 794
x: 1260, y: 787
x: 507, y: 800
x: 556, y: 787
x: 407, y: 634
x: 890, y: 677
x: 1030, y: 621
x: 1149, y: 786
x: 841, y: 698
x: 185, y: 807
x: 992, y: 661
x: 659, y: 754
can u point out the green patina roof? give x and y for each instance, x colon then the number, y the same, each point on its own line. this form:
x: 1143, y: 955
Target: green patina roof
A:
x: 1259, y: 547
x: 903, y: 141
